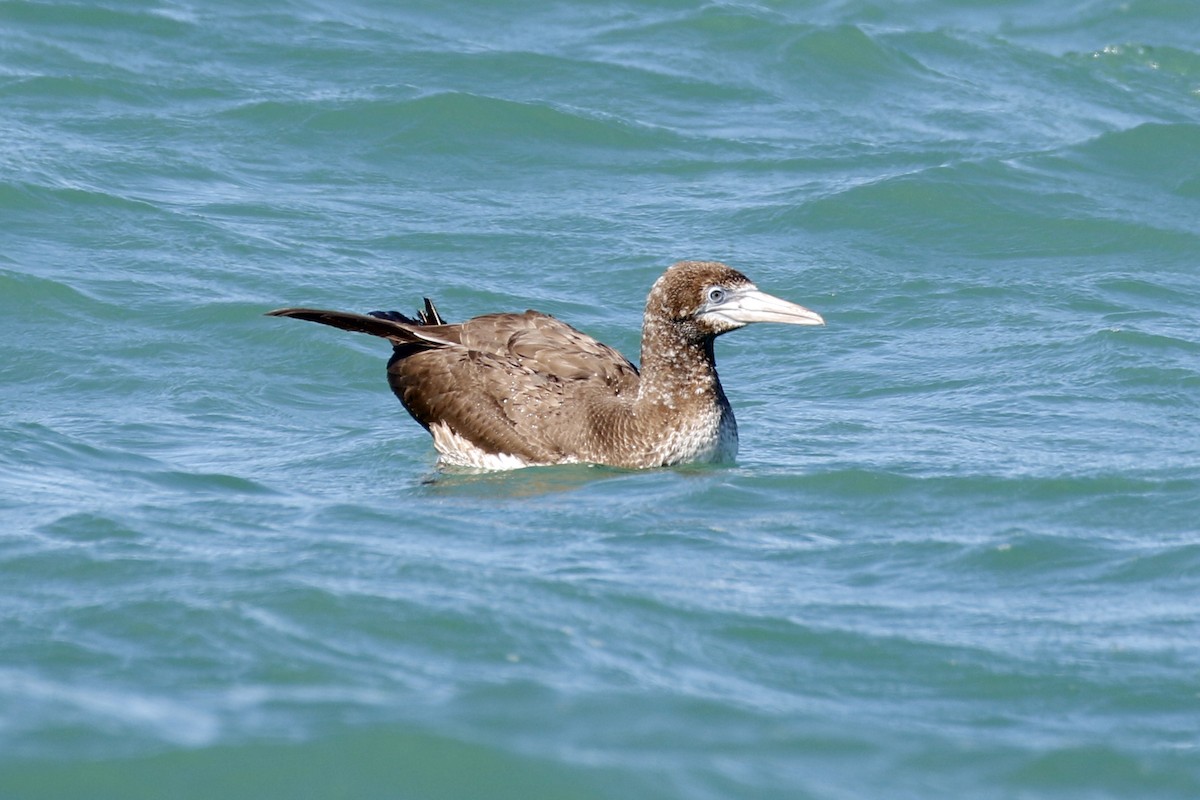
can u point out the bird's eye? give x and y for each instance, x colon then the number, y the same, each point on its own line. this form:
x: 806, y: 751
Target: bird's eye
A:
x: 716, y: 295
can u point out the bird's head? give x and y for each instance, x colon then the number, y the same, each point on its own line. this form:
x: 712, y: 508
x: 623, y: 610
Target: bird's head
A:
x: 707, y: 298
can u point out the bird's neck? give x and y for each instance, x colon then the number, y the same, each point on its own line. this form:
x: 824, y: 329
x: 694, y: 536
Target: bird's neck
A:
x: 678, y: 371
x: 680, y: 413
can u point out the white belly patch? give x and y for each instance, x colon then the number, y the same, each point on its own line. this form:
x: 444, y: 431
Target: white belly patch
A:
x: 454, y: 450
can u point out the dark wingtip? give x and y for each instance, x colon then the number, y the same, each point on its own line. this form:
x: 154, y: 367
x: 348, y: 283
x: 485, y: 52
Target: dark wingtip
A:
x: 393, y: 316
x: 425, y: 316
x: 429, y: 315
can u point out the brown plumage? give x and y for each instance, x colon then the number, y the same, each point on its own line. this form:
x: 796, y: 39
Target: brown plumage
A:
x: 509, y: 390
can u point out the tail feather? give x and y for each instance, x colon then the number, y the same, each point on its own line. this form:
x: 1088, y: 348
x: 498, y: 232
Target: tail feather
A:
x: 390, y: 325
x: 360, y: 323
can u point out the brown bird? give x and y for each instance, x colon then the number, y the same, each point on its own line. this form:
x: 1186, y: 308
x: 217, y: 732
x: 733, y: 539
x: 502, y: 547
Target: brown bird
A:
x: 502, y: 391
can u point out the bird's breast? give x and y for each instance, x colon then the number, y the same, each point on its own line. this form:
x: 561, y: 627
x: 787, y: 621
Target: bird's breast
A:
x: 708, y: 437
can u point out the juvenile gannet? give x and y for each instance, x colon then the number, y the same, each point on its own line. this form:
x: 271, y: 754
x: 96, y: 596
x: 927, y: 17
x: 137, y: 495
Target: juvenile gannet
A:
x: 502, y: 391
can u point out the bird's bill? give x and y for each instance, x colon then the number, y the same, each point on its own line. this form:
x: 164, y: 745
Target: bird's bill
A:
x: 751, y: 305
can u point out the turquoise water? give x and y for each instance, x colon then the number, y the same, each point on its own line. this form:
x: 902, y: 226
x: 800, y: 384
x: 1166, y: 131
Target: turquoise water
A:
x: 959, y: 555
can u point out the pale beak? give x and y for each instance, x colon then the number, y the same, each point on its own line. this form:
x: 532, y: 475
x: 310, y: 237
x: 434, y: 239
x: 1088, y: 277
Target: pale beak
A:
x: 747, y: 304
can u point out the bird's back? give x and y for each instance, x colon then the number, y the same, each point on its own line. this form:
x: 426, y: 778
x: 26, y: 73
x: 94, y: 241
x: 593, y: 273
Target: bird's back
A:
x: 512, y: 387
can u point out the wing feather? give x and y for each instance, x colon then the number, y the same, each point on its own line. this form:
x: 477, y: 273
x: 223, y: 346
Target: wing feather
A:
x: 521, y: 384
x: 525, y: 385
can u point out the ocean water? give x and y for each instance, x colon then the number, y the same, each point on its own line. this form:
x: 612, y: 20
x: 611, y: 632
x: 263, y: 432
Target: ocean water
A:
x: 958, y: 556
